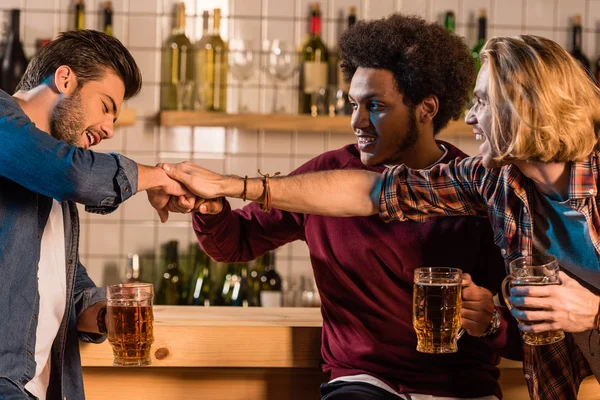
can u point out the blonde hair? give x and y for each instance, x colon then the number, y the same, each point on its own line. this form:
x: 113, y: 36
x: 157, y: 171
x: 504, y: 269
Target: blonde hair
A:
x: 544, y: 105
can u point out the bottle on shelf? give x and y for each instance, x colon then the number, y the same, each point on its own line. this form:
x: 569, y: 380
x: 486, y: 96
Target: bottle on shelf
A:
x: 79, y: 15
x: 212, y: 66
x: 200, y: 291
x: 177, y: 66
x: 132, y: 273
x: 342, y: 104
x: 577, y: 45
x: 243, y: 296
x: 313, y: 69
x: 450, y: 21
x: 481, y: 38
x: 270, y: 282
x: 199, y: 90
x: 231, y: 285
x: 13, y: 62
x: 171, y: 282
x: 108, y: 18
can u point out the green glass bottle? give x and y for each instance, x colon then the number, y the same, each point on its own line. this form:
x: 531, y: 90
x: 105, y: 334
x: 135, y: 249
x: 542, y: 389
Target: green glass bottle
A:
x: 450, y: 21
x: 313, y: 67
x: 271, y: 294
x: 79, y: 15
x: 171, y: 283
x: 231, y: 285
x: 212, y: 67
x: 242, y: 297
x: 481, y: 38
x: 177, y: 67
x: 200, y: 291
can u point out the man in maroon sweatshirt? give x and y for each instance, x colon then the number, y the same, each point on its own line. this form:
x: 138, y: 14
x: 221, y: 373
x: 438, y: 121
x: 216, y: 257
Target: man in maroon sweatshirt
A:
x: 408, y: 79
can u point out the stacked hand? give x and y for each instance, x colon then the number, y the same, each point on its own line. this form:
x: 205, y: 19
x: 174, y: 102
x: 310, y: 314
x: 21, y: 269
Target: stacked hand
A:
x: 477, y: 307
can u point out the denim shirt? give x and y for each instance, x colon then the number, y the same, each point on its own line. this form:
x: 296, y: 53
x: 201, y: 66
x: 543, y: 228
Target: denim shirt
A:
x: 34, y: 168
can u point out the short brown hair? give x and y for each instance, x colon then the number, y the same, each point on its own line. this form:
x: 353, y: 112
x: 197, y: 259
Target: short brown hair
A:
x: 544, y: 105
x: 89, y: 54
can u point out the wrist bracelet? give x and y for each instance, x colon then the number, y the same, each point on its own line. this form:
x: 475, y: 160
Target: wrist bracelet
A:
x: 266, y: 206
x: 494, y: 324
x: 101, y: 320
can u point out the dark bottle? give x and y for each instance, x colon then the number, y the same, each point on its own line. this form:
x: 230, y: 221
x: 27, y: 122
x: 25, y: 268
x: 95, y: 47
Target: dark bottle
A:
x: 481, y: 37
x: 200, y: 291
x: 242, y: 297
x: 171, y: 283
x: 270, y: 282
x: 108, y: 18
x: 577, y: 47
x: 450, y: 21
x: 343, y: 105
x: 13, y: 62
x: 231, y: 285
x: 79, y: 15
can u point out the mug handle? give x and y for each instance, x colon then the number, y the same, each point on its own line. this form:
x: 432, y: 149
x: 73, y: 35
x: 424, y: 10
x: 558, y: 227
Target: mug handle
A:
x: 505, y: 288
x: 461, y: 332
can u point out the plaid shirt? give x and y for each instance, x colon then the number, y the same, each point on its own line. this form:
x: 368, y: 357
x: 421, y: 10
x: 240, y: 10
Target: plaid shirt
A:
x: 503, y: 194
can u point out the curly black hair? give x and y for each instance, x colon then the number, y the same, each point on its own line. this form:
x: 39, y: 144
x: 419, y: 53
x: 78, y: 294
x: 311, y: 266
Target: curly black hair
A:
x: 425, y: 58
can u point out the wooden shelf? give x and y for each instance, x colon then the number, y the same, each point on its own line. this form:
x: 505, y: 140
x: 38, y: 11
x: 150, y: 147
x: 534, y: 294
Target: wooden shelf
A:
x: 126, y: 117
x: 282, y: 122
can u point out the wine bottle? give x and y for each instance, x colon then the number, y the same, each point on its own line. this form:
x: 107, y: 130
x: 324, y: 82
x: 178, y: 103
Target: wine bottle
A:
x: 577, y: 40
x: 108, y: 17
x: 132, y: 273
x: 270, y: 282
x: 177, y: 66
x: 200, y: 292
x: 231, y: 285
x: 450, y: 21
x: 79, y: 15
x: 13, y: 62
x: 313, y: 67
x: 242, y: 297
x: 171, y: 283
x: 481, y: 38
x: 343, y: 106
x: 199, y: 94
x: 211, y: 59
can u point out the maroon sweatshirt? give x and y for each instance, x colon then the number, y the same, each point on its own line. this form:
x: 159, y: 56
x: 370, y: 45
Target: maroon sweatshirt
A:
x: 363, y: 268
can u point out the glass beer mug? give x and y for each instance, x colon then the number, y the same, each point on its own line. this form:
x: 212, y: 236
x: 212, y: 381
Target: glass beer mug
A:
x: 437, y: 300
x: 533, y: 271
x: 130, y: 322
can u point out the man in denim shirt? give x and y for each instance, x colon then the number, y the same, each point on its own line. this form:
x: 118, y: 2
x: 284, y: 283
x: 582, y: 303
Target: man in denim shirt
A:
x: 73, y: 89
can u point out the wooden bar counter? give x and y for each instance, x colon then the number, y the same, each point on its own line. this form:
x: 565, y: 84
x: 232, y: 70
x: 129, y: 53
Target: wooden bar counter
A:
x: 230, y: 353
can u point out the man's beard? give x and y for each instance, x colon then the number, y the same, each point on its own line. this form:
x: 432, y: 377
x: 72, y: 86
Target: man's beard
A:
x: 66, y: 119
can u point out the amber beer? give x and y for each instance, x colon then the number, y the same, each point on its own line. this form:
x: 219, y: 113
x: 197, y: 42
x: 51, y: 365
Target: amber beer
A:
x: 437, y: 300
x: 533, y: 271
x: 130, y: 323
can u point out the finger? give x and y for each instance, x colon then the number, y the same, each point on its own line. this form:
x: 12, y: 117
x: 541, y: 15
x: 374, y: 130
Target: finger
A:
x: 532, y: 302
x: 479, y: 316
x: 467, y: 280
x: 487, y: 306
x: 532, y: 291
x: 564, y: 278
x: 186, y: 202
x: 476, y: 293
x: 175, y: 205
x: 541, y: 327
x: 163, y: 214
x: 533, y: 315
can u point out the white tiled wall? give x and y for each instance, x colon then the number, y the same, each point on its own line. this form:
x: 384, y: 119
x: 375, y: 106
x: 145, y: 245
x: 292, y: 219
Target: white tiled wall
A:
x: 144, y: 24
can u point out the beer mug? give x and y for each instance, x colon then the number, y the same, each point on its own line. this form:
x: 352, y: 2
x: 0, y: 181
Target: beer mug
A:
x: 129, y: 322
x: 533, y: 271
x: 437, y: 300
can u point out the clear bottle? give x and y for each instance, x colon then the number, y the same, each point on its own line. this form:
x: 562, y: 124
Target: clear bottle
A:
x: 132, y: 273
x: 271, y: 294
x: 212, y: 67
x: 313, y: 67
x: 13, y: 62
x: 177, y: 66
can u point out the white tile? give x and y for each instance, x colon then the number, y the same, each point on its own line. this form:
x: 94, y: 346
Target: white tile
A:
x: 300, y: 160
x: 38, y: 25
x: 121, y: 28
x: 145, y: 6
x: 339, y: 9
x: 276, y: 29
x: 209, y: 140
x: 567, y: 9
x: 505, y: 31
x: 149, y: 63
x: 176, y: 139
x: 143, y: 31
x: 105, y: 271
x: 310, y: 143
x: 114, y: 144
x: 591, y: 45
x: 272, y: 165
x: 339, y: 140
x: 137, y: 208
x: 83, y: 234
x: 65, y: 21
x: 299, y: 249
x: 507, y: 12
x: 439, y: 9
x: 242, y: 165
x: 242, y: 141
x: 146, y: 102
x: 278, y: 8
x: 250, y: 101
x: 248, y: 30
x: 413, y: 7
x: 304, y: 8
x: 104, y: 238
x: 214, y: 164
x: 120, y: 6
x: 175, y: 231
x: 277, y: 143
x: 286, y: 98
x: 252, y: 8
x: 470, y: 15
x: 300, y: 267
x: 139, y: 238
x: 40, y: 4
x: 91, y: 20
x: 547, y: 33
x: 539, y: 14
x: 378, y: 8
x: 141, y: 137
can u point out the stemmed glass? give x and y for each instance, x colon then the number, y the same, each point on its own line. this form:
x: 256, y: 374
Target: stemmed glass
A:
x: 282, y: 62
x: 242, y: 62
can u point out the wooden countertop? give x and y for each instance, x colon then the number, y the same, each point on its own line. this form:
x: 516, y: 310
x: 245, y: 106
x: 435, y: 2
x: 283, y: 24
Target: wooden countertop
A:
x: 231, y: 337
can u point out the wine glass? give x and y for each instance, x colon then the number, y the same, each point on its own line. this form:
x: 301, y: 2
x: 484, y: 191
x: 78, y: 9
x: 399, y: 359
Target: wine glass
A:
x: 242, y: 62
x: 282, y: 62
